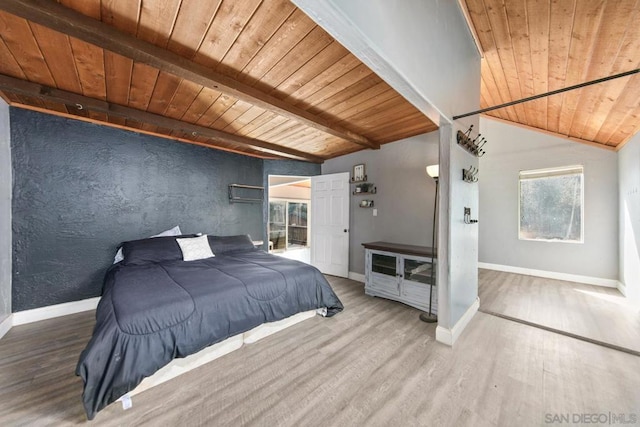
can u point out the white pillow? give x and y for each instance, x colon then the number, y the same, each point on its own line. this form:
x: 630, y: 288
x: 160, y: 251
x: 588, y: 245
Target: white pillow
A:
x: 175, y: 231
x: 195, y: 248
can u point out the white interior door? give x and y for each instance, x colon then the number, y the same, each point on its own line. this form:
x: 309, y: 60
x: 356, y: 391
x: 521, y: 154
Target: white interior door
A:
x: 330, y: 223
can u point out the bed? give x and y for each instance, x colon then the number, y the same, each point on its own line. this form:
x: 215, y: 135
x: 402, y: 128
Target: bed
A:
x: 171, y: 297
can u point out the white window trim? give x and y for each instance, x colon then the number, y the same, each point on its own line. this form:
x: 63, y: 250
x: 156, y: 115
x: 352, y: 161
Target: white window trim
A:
x: 548, y: 172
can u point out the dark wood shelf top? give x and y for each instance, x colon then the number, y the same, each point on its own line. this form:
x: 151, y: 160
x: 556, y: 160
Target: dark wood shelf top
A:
x: 400, y: 248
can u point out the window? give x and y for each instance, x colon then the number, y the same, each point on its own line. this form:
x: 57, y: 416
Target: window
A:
x: 551, y: 204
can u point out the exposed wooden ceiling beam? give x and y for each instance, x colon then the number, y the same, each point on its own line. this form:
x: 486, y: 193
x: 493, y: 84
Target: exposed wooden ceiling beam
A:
x: 22, y: 87
x: 67, y: 21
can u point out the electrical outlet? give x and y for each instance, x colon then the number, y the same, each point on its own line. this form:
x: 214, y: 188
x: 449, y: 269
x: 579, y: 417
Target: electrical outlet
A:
x: 467, y: 211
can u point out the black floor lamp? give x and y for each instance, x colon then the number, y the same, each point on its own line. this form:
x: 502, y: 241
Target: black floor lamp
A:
x: 433, y: 171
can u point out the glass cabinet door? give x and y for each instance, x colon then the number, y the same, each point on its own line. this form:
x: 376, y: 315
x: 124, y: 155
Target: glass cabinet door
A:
x: 384, y: 264
x: 419, y: 271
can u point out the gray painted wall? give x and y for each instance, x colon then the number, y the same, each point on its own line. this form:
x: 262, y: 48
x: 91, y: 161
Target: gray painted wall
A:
x: 512, y: 149
x: 629, y: 217
x: 5, y: 212
x: 285, y: 168
x: 80, y: 189
x: 404, y: 199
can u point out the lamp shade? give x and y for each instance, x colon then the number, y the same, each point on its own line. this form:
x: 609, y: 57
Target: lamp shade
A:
x: 433, y: 171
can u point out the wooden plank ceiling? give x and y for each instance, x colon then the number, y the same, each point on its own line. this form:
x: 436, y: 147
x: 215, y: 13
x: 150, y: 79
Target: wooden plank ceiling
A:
x: 252, y: 76
x: 534, y: 46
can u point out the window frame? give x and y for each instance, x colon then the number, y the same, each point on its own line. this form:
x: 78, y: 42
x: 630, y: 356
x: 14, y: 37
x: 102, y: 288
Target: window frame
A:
x: 546, y: 173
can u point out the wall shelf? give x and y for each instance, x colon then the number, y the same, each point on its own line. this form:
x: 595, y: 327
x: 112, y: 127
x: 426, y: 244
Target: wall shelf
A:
x: 240, y: 193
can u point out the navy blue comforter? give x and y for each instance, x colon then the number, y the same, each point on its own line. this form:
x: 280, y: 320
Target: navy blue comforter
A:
x: 150, y: 314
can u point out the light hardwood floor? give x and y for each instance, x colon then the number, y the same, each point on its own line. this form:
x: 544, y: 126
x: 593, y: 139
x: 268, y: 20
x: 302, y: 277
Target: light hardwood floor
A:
x: 375, y: 364
x: 593, y: 312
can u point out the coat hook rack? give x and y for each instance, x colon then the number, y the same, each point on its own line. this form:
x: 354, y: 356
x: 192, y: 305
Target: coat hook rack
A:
x: 472, y: 145
x: 470, y: 175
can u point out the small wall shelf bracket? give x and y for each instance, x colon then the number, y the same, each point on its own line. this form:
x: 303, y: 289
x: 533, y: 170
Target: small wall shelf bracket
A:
x: 239, y: 193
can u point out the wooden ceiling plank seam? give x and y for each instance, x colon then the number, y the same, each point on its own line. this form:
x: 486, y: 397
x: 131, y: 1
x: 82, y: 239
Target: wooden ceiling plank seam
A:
x: 262, y: 26
x: 203, y: 101
x: 277, y: 130
x: 8, y: 63
x: 500, y: 28
x: 539, y: 10
x: 623, y: 106
x: 288, y: 35
x: 163, y: 92
x: 118, y: 72
x: 331, y: 54
x: 501, y: 90
x: 97, y: 105
x: 244, y: 119
x: 610, y: 91
x: 622, y: 143
x: 356, y: 110
x: 308, y: 47
x: 233, y: 16
x: 486, y: 97
x: 611, y: 35
x: 231, y: 115
x: 143, y: 81
x: 89, y: 61
x: 480, y: 18
x: 124, y: 16
x: 182, y: 99
x: 276, y: 120
x: 22, y: 44
x: 118, y: 14
x: 157, y: 20
x: 518, y: 27
x: 476, y: 10
x: 77, y: 25
x: 293, y: 136
x: 254, y: 124
x: 586, y: 44
x: 324, y: 80
x: 369, y: 125
x: 381, y: 107
x: 403, y: 124
x: 627, y: 128
x: 348, y: 79
x: 559, y: 49
x: 204, y: 35
x: 216, y: 110
x: 192, y: 23
x: 361, y: 92
x: 62, y: 64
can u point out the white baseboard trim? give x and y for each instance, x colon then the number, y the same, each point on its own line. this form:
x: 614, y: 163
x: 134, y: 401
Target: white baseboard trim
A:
x: 356, y: 276
x: 51, y: 311
x: 622, y: 288
x: 587, y: 280
x: 6, y: 325
x: 450, y: 336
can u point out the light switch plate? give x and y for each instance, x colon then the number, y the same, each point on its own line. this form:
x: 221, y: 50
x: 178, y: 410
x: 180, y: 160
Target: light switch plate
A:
x: 375, y: 212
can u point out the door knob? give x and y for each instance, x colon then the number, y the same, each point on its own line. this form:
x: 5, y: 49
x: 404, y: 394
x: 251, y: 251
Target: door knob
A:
x: 345, y: 230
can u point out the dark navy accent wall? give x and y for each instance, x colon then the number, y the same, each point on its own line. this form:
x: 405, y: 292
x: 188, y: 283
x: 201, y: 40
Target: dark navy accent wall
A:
x: 282, y: 167
x: 80, y: 189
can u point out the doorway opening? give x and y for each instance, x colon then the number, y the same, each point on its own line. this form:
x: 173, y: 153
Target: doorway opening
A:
x: 289, y: 226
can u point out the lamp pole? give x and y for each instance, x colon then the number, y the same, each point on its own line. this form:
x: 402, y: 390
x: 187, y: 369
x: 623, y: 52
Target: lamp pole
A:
x: 430, y: 317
